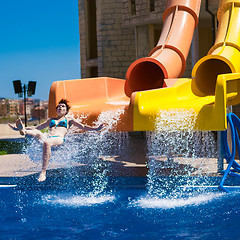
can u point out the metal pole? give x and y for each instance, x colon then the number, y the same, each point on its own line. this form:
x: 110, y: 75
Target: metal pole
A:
x: 25, y: 103
x: 220, y: 163
x: 39, y: 111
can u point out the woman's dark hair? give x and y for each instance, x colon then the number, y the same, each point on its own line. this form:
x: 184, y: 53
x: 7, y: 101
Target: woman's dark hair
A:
x: 66, y: 102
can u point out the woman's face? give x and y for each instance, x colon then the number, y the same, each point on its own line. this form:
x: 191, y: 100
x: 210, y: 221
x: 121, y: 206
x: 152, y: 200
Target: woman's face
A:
x: 61, y: 109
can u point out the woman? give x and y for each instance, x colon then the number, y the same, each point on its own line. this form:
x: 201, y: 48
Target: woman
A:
x: 58, y: 128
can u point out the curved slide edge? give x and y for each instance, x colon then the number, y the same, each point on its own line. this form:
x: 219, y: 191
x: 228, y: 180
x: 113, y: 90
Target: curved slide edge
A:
x: 92, y: 96
x: 168, y: 58
x: 156, y: 109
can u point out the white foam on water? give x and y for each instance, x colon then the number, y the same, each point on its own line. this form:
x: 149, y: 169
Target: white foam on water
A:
x: 8, y: 186
x: 169, y: 203
x: 77, y: 201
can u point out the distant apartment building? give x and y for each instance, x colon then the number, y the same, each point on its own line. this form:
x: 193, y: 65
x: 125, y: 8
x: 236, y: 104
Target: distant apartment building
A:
x: 9, y: 107
x: 113, y: 34
x: 15, y: 108
x: 29, y: 106
x: 3, y: 108
x: 40, y: 111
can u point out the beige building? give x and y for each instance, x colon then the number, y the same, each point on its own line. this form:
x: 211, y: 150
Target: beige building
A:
x: 115, y: 33
x: 9, y: 107
x: 40, y: 110
x: 15, y: 108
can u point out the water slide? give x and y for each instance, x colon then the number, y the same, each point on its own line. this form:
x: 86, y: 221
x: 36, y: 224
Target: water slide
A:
x: 153, y: 85
x: 168, y: 58
x: 90, y: 97
x: 214, y: 83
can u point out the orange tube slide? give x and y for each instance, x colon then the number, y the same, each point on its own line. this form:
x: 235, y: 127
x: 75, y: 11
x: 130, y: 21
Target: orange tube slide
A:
x: 168, y: 58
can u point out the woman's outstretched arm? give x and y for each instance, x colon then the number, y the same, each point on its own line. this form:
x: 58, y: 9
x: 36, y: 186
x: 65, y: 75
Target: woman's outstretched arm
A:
x: 84, y: 127
x: 44, y: 124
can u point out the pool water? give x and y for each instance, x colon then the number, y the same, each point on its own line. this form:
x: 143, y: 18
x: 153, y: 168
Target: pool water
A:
x: 124, y: 210
x: 67, y: 206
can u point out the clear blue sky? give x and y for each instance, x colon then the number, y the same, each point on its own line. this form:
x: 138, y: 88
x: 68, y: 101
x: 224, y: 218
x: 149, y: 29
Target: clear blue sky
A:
x: 39, y: 41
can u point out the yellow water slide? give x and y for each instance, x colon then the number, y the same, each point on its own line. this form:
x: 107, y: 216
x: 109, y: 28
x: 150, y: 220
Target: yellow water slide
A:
x: 215, y: 82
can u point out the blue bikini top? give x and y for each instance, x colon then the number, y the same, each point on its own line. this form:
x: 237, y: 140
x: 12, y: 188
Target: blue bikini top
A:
x: 62, y: 123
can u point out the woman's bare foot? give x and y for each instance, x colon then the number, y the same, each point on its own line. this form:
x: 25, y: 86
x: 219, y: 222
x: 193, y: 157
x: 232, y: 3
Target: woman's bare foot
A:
x: 42, y: 176
x: 20, y: 126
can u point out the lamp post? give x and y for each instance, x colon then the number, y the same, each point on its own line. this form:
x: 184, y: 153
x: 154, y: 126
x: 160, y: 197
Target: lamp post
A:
x: 24, y: 90
x: 25, y: 104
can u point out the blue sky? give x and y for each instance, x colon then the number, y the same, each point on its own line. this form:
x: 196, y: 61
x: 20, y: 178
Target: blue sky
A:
x: 39, y: 41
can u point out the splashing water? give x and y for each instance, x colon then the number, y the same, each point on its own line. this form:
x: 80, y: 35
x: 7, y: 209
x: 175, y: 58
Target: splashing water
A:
x: 173, y: 150
x: 105, y: 144
x: 90, y: 149
x: 175, y: 120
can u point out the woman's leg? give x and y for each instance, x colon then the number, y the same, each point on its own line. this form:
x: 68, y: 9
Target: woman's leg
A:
x: 31, y: 132
x: 47, y: 145
x: 35, y: 133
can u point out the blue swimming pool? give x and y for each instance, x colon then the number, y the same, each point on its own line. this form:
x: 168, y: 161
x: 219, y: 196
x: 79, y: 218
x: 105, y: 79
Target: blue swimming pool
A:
x: 124, y: 210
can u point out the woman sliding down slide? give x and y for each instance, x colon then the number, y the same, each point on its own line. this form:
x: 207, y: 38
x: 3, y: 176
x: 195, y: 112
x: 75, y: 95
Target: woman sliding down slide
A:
x: 58, y: 128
